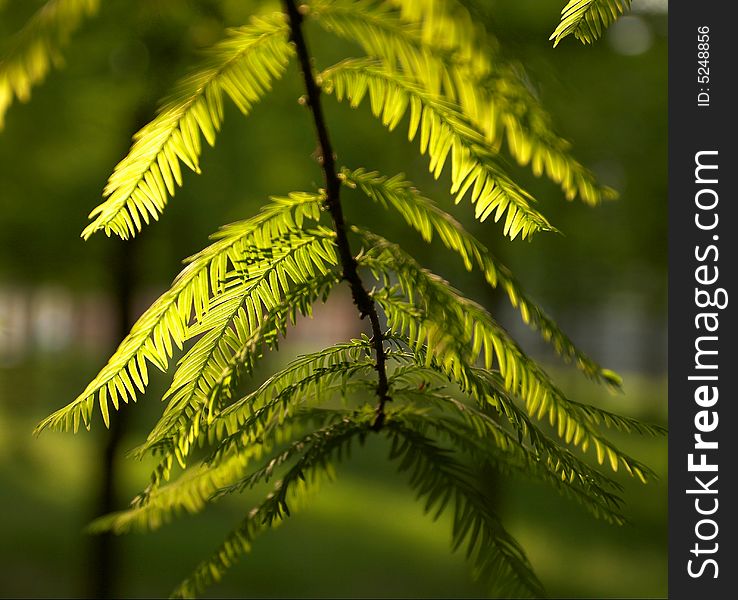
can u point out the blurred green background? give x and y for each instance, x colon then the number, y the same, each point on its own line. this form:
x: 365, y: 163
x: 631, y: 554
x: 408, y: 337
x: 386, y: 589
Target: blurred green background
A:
x: 604, y: 280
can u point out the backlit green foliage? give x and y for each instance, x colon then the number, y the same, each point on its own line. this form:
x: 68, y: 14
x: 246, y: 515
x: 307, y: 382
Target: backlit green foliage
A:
x: 442, y: 130
x: 440, y: 52
x: 461, y: 395
x: 37, y: 47
x: 587, y: 19
x: 242, y: 67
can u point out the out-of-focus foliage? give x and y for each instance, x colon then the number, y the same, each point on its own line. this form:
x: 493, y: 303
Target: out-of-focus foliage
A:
x: 37, y: 47
x: 587, y: 19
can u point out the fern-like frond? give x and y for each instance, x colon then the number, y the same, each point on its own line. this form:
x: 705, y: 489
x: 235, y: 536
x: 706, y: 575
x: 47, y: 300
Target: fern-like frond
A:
x: 165, y: 323
x: 190, y: 493
x: 496, y: 95
x: 424, y: 215
x: 308, y: 376
x: 262, y: 279
x: 529, y: 131
x: 345, y: 370
x: 261, y: 518
x: 243, y: 67
x: 472, y: 432
x: 200, y: 485
x: 457, y: 332
x: 439, y: 480
x: 37, y: 48
x: 492, y: 92
x: 298, y: 300
x: 542, y: 399
x: 443, y: 130
x: 588, y: 19
x: 203, y: 425
x: 487, y: 391
x: 316, y: 451
x: 446, y: 23
x: 382, y: 34
x: 574, y: 423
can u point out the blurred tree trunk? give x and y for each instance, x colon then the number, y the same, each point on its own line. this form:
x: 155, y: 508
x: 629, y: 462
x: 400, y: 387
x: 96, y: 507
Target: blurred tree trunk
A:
x: 165, y: 49
x: 103, y: 548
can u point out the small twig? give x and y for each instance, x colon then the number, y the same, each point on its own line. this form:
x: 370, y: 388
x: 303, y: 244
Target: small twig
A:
x: 327, y: 160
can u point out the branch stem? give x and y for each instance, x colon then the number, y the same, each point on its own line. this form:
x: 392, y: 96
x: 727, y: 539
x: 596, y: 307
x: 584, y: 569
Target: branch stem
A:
x: 327, y: 159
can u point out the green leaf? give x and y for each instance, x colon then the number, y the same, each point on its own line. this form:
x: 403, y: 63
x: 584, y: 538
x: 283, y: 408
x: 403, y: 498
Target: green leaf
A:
x: 440, y: 479
x: 464, y: 64
x: 316, y: 451
x: 242, y: 66
x: 588, y: 19
x: 226, y: 326
x: 457, y: 332
x: 472, y: 432
x: 443, y: 131
x: 423, y: 215
x: 207, y: 423
x: 170, y: 316
x: 311, y: 376
x: 37, y: 48
x: 190, y: 493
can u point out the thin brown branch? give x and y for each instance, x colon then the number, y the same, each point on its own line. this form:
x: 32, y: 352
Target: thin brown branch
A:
x: 327, y: 160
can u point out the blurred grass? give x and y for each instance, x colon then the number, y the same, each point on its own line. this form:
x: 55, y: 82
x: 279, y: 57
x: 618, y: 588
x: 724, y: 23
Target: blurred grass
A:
x: 362, y: 536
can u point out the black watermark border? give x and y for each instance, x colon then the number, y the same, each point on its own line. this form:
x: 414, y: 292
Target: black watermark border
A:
x: 703, y: 265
